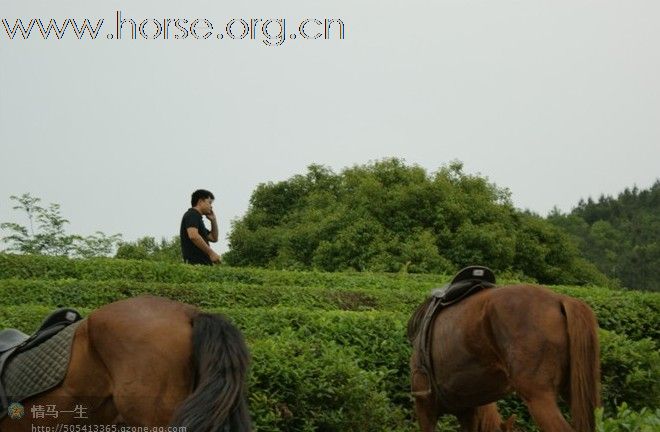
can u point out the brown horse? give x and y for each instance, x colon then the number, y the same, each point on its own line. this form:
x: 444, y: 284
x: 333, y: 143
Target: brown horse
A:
x: 149, y: 361
x: 522, y: 338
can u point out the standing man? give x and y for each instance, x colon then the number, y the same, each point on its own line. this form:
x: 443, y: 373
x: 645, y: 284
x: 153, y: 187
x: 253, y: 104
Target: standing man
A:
x: 195, y: 237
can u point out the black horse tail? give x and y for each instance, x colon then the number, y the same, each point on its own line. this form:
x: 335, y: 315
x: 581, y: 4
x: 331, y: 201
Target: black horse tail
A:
x: 220, y: 361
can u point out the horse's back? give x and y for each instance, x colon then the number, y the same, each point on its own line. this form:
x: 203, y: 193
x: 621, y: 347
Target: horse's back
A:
x: 505, y: 311
x: 144, y: 309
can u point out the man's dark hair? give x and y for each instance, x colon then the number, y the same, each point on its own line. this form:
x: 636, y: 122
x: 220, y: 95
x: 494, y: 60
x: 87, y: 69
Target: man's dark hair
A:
x: 200, y: 194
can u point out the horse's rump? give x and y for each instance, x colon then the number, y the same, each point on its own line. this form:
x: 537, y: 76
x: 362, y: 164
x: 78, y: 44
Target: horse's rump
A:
x: 135, y: 361
x: 521, y: 338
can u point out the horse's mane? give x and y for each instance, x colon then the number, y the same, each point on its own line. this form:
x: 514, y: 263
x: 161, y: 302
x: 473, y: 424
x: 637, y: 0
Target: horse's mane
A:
x: 416, y: 319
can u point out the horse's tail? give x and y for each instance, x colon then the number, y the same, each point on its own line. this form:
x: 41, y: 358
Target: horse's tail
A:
x: 220, y: 359
x: 584, y: 363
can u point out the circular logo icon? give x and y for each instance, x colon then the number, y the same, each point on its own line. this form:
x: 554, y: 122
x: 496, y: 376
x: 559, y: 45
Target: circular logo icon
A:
x: 16, y: 411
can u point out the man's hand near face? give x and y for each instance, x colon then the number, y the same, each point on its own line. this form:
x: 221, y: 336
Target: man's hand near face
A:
x: 211, y: 216
x: 213, y: 235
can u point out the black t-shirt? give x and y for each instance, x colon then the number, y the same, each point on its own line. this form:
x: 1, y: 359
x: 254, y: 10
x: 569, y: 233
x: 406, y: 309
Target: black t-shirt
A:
x: 191, y: 253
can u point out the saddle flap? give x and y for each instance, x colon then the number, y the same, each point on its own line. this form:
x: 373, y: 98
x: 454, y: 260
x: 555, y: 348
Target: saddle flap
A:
x: 27, y: 372
x: 467, y: 282
x: 9, y: 338
x: 14, y: 342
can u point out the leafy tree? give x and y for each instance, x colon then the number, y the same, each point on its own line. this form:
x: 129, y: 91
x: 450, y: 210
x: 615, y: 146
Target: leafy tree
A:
x: 50, y: 237
x: 387, y: 216
x: 96, y: 245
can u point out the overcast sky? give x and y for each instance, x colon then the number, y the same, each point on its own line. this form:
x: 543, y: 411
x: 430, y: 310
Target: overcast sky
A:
x: 555, y: 100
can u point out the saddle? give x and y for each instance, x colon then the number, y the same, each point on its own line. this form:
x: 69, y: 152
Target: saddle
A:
x: 466, y: 283
x: 14, y: 342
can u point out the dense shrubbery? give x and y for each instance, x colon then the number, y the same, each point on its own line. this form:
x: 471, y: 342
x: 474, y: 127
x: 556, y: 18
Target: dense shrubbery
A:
x: 375, y: 343
x: 627, y: 420
x: 387, y: 216
x: 98, y: 269
x: 631, y: 371
x: 300, y: 385
x: 77, y: 293
x: 635, y: 315
x: 329, y: 349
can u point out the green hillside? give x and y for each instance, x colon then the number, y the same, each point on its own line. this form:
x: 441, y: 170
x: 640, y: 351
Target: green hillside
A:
x: 329, y: 349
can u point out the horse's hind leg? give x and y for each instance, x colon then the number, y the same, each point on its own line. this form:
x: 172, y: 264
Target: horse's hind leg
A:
x: 485, y: 418
x: 427, y: 413
x: 155, y: 385
x: 468, y: 420
x: 546, y: 413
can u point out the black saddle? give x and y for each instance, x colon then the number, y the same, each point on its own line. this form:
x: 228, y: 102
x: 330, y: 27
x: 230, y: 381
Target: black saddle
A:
x: 466, y: 282
x: 13, y: 342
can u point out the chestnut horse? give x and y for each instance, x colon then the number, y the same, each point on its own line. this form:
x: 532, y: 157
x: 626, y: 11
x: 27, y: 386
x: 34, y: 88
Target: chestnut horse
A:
x: 522, y: 338
x: 149, y: 361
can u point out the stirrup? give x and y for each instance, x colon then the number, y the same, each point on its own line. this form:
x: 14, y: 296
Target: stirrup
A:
x: 423, y: 377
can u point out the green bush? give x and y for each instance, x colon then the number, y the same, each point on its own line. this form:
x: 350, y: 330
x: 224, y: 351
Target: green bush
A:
x: 77, y: 293
x: 101, y: 269
x: 626, y: 420
x: 314, y: 385
x: 630, y: 372
x: 376, y: 339
x: 635, y: 314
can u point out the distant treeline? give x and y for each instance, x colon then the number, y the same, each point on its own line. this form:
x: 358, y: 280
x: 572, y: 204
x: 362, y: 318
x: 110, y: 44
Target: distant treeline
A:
x: 388, y: 216
x: 621, y: 235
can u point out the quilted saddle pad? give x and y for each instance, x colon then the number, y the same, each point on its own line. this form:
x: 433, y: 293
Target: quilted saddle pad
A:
x: 39, y: 369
